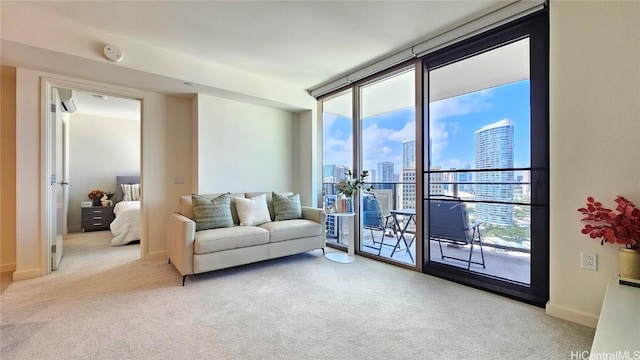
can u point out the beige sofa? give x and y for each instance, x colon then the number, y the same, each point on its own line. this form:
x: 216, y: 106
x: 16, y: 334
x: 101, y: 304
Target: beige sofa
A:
x: 194, y: 252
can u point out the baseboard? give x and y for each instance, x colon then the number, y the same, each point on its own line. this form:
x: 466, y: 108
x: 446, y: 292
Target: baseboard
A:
x: 571, y: 315
x: 75, y: 229
x: 160, y: 255
x: 28, y: 274
x: 8, y: 267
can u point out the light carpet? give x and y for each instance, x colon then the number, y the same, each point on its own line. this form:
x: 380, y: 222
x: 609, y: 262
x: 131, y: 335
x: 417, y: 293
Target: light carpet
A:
x: 105, y: 303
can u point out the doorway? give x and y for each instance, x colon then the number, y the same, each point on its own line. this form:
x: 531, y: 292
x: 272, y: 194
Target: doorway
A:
x: 101, y: 141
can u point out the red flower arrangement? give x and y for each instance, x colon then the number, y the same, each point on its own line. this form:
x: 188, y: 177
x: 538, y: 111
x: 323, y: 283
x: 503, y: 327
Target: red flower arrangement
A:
x: 621, y: 226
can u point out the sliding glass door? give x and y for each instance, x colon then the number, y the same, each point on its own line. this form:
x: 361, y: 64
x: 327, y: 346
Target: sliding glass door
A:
x: 486, y: 163
x: 387, y: 148
x: 456, y: 145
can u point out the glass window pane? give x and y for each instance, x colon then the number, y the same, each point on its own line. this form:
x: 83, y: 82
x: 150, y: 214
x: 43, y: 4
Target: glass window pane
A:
x: 480, y: 156
x: 337, y: 155
x: 387, y: 108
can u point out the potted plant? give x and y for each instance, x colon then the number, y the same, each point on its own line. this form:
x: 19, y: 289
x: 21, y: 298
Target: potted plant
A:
x: 95, y: 195
x: 618, y: 226
x: 349, y: 186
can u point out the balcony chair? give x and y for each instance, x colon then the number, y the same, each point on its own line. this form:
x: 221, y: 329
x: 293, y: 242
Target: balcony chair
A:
x: 449, y: 222
x: 373, y: 220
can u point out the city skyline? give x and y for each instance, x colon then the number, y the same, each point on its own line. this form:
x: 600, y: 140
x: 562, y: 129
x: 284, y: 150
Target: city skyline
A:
x: 453, y: 126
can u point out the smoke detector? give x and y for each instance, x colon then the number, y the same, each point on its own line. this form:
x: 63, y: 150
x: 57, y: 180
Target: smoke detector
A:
x: 113, y: 53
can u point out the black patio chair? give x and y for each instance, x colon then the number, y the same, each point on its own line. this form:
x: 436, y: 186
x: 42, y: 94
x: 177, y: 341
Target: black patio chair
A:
x: 373, y: 220
x: 449, y: 223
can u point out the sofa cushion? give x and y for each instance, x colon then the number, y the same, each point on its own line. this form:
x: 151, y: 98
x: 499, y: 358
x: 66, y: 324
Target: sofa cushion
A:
x: 292, y: 229
x: 212, y: 214
x: 253, y: 211
x: 269, y: 201
x: 286, y: 206
x: 186, y: 205
x: 229, y: 238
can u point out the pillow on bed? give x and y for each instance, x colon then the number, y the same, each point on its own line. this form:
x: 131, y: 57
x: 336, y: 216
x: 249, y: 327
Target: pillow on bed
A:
x: 253, y: 211
x: 287, y: 206
x: 212, y: 214
x: 131, y: 192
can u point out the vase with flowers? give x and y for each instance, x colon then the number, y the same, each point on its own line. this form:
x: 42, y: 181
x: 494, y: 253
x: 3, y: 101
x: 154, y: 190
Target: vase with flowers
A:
x: 350, y: 185
x: 618, y: 226
x: 95, y: 195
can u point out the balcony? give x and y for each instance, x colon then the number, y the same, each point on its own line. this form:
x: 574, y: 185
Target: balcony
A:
x: 506, y: 249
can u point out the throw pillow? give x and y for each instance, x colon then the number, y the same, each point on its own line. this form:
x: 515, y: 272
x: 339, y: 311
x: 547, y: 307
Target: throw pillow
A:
x: 212, y: 214
x: 131, y: 192
x: 287, y: 206
x: 252, y: 211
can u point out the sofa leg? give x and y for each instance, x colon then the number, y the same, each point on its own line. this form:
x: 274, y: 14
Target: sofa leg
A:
x: 184, y: 277
x: 169, y: 261
x: 323, y: 253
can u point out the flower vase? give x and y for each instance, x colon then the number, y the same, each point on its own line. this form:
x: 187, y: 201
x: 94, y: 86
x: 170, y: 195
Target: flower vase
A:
x: 96, y: 202
x: 349, y: 204
x: 629, y: 264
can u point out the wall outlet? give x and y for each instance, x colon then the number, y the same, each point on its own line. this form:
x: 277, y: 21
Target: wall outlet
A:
x: 179, y: 180
x: 589, y: 261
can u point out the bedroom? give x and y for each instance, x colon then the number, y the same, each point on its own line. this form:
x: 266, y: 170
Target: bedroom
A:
x: 102, y: 144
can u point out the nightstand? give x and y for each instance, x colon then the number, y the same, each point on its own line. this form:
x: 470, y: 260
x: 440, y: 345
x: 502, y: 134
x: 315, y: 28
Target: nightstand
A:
x: 97, y: 218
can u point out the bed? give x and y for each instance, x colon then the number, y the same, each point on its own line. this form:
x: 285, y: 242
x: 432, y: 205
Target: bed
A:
x: 126, y: 226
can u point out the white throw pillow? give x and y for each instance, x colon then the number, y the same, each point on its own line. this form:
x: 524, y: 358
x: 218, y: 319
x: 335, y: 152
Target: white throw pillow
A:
x: 131, y: 192
x: 252, y: 211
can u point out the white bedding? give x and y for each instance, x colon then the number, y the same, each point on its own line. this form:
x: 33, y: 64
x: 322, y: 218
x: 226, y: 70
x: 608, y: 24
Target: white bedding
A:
x: 126, y: 227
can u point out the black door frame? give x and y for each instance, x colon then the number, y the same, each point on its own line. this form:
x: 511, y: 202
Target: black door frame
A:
x: 536, y: 27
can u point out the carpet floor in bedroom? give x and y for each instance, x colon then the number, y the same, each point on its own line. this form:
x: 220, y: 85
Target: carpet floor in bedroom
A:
x: 106, y: 303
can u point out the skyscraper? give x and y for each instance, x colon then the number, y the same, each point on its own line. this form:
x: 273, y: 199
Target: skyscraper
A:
x: 494, y: 150
x: 409, y: 153
x: 328, y: 173
x: 341, y: 172
x: 407, y: 188
x: 385, y: 175
x: 465, y: 177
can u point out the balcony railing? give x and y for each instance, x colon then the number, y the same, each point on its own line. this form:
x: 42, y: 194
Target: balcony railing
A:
x: 509, y: 232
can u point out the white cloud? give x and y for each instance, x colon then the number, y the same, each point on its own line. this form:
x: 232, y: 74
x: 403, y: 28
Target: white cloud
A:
x: 408, y: 132
x: 328, y: 119
x: 456, y: 106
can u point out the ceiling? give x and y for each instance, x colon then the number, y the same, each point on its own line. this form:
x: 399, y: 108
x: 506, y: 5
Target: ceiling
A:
x: 304, y: 43
x: 107, y: 106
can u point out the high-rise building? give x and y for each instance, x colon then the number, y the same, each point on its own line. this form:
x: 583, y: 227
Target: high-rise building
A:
x: 436, y: 180
x: 341, y: 172
x: 385, y: 175
x: 372, y: 176
x: 407, y: 176
x: 494, y: 150
x: 328, y: 172
x: 465, y: 177
x: 409, y: 153
x: 407, y: 189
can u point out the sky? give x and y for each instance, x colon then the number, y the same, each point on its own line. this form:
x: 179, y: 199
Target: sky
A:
x: 453, y: 125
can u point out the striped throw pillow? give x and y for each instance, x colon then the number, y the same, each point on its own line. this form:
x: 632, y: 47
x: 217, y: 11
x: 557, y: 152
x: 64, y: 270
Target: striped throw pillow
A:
x: 212, y: 214
x: 131, y: 192
x: 287, y: 206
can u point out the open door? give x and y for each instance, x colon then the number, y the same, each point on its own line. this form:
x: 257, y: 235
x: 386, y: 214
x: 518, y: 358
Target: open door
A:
x: 56, y: 182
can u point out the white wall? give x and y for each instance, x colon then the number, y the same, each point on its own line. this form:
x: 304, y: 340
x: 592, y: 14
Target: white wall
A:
x: 594, y: 140
x: 100, y: 148
x: 243, y: 147
x: 166, y: 143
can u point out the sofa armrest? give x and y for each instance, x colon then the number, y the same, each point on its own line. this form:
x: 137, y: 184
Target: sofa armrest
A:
x: 181, y: 233
x: 314, y: 214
